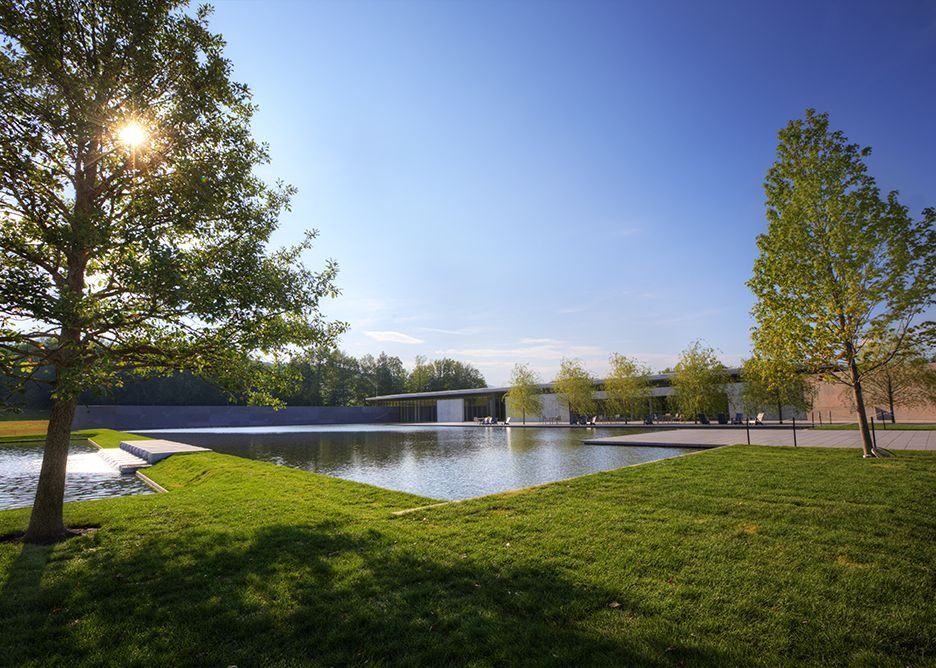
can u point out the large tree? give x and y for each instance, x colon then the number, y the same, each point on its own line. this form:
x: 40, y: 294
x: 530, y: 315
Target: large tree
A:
x: 840, y: 266
x: 576, y: 387
x: 443, y: 374
x: 627, y: 386
x: 525, y: 393
x: 134, y: 229
x: 699, y: 381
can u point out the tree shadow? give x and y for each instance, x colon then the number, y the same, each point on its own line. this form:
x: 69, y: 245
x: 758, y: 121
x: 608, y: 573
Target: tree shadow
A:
x: 311, y: 594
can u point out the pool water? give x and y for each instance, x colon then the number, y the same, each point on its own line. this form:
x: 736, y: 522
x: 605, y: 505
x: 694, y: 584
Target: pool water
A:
x: 87, y: 476
x: 439, y: 462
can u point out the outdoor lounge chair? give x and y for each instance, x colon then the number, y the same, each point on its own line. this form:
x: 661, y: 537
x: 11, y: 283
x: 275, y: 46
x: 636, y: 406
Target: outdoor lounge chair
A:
x: 756, y: 420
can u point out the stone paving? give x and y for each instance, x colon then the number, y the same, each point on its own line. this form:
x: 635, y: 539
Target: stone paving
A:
x: 153, y: 450
x: 707, y: 437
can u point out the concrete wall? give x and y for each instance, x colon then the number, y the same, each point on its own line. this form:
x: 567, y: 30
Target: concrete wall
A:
x: 450, y: 410
x: 178, y: 417
x: 839, y: 401
x: 552, y: 407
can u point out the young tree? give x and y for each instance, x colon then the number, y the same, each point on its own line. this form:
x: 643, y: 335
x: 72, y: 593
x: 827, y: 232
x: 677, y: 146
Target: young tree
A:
x: 524, y: 393
x: 699, y: 381
x: 134, y: 230
x: 576, y: 387
x: 627, y: 386
x: 839, y: 266
x: 775, y: 383
x: 909, y: 380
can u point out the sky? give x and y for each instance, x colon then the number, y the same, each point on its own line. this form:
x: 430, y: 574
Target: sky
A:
x: 521, y: 182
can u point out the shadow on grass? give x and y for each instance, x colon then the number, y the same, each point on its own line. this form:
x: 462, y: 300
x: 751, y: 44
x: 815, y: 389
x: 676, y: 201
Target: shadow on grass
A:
x: 290, y: 595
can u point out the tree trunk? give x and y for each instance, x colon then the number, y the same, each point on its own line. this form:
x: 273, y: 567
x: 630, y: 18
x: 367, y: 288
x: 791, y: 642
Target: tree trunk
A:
x: 45, y: 523
x: 780, y: 411
x: 890, y: 400
x: 862, y: 417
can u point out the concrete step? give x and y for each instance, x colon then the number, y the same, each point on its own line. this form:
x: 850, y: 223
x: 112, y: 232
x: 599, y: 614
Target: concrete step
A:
x: 153, y: 450
x: 123, y: 461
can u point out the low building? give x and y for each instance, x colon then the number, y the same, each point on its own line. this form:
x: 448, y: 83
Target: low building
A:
x: 476, y: 404
x: 831, y: 403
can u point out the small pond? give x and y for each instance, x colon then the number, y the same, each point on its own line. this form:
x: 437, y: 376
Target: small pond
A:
x: 87, y: 476
x: 438, y: 462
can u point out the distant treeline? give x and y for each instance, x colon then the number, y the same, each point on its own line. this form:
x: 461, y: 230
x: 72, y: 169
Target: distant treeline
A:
x: 331, y: 378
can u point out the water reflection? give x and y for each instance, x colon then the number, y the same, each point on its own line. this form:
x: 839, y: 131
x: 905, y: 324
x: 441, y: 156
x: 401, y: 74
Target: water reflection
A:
x: 442, y: 463
x: 87, y: 476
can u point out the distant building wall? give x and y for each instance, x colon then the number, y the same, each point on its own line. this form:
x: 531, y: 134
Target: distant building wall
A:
x: 838, y: 400
x: 179, y: 417
x: 450, y: 410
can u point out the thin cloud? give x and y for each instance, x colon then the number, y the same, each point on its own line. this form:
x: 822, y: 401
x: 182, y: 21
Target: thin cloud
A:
x: 685, y: 317
x: 393, y: 337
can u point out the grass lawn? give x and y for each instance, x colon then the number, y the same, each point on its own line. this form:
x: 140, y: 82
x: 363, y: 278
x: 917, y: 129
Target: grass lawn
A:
x: 910, y: 426
x: 105, y: 438
x: 736, y: 556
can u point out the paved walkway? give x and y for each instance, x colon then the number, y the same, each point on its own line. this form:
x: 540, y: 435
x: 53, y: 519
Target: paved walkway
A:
x: 892, y: 439
x: 156, y: 449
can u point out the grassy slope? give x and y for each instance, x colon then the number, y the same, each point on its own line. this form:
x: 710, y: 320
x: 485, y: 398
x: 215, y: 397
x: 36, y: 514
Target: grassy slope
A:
x: 735, y: 556
x: 105, y: 438
x: 908, y: 426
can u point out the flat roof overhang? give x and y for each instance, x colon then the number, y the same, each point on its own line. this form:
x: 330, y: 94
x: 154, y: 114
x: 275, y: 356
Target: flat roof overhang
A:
x: 733, y: 372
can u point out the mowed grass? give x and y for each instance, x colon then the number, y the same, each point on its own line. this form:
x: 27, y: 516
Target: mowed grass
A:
x: 907, y: 426
x: 105, y: 438
x: 736, y: 556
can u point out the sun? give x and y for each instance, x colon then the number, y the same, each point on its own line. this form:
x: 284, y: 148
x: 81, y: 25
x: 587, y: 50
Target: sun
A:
x: 133, y: 135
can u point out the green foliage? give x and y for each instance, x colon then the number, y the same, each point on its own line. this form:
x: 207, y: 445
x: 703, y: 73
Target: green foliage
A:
x: 733, y: 557
x: 443, y: 374
x: 525, y: 394
x: 840, y: 266
x: 576, y: 387
x: 775, y: 384
x: 627, y: 386
x: 145, y: 258
x: 138, y: 259
x: 699, y: 381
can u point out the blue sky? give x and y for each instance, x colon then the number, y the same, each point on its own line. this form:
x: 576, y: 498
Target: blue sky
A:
x: 516, y: 181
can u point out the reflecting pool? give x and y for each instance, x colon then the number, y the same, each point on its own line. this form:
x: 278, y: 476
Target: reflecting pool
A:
x: 87, y: 476
x: 438, y: 462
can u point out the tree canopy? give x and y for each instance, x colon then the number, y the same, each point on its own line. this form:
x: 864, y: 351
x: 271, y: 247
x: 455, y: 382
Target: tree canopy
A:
x: 777, y: 384
x: 134, y: 229
x: 443, y: 374
x: 840, y: 266
x: 627, y: 386
x: 524, y: 394
x: 576, y: 387
x: 699, y: 381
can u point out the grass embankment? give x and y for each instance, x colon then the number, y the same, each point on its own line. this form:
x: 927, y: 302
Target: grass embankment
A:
x: 908, y: 426
x: 105, y: 438
x: 737, y: 556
